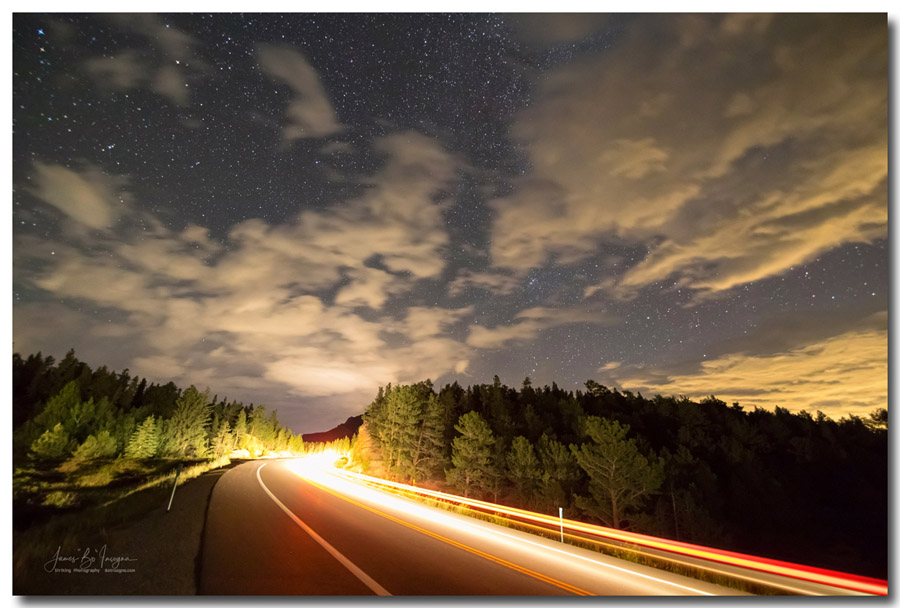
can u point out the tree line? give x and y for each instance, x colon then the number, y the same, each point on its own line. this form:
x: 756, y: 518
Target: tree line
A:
x: 66, y: 411
x: 794, y: 486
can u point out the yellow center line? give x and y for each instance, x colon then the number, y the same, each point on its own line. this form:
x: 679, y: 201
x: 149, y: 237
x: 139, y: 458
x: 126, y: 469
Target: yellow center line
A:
x: 536, y: 575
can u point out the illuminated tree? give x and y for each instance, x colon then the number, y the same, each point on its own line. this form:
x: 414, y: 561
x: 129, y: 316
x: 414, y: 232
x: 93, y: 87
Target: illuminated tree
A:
x: 240, y: 427
x: 144, y: 443
x: 262, y: 426
x: 428, y: 453
x: 394, y: 422
x: 53, y: 444
x: 167, y: 447
x: 188, y: 423
x: 620, y: 476
x: 282, y: 439
x: 296, y: 444
x: 223, y: 442
x: 60, y: 408
x: 101, y: 445
x: 404, y: 413
x: 471, y: 456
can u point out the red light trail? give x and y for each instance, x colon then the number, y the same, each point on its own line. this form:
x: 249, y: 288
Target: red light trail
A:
x: 812, y: 574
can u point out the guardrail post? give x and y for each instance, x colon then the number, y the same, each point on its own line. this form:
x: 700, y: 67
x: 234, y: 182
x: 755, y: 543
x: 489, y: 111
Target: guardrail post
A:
x: 561, y: 526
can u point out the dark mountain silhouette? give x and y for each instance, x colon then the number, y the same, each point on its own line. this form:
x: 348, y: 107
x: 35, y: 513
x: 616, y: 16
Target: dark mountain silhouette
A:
x: 345, y: 429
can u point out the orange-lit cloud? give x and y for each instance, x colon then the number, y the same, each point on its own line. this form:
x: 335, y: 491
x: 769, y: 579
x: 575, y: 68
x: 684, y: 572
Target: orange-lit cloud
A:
x: 498, y: 283
x: 532, y: 321
x: 254, y: 314
x: 838, y: 375
x: 732, y: 147
x: 309, y: 113
x: 89, y: 197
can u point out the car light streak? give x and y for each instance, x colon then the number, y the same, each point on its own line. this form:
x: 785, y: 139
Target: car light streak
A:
x: 812, y: 574
x: 344, y: 487
x: 709, y: 567
x: 565, y: 586
x: 367, y: 580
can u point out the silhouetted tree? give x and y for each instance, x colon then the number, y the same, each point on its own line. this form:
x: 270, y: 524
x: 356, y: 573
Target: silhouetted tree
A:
x: 620, y: 476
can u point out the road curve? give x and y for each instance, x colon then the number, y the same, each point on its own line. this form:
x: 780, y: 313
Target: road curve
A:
x: 275, y: 529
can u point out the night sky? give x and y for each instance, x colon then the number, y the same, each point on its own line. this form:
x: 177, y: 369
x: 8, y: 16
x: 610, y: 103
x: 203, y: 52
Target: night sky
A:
x: 294, y: 209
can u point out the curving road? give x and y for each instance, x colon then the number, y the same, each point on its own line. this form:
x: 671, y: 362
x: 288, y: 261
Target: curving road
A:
x: 279, y: 528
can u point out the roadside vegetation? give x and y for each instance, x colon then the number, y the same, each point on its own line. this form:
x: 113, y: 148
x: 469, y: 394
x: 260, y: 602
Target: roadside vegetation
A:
x: 791, y: 486
x: 84, y: 437
x: 94, y: 449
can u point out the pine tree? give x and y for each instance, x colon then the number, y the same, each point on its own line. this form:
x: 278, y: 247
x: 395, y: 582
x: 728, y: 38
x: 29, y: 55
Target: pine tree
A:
x: 240, y: 427
x: 296, y: 444
x: 428, y: 455
x: 58, y: 407
x: 282, y: 440
x: 620, y: 476
x: 374, y: 415
x: 101, y: 445
x: 558, y: 472
x: 188, y: 423
x: 471, y: 457
x: 523, y: 468
x: 260, y: 425
x: 395, y: 421
x: 53, y: 444
x: 223, y: 441
x: 144, y: 442
x: 167, y: 447
x: 405, y: 407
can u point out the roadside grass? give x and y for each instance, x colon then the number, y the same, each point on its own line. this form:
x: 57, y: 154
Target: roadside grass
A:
x: 53, y: 507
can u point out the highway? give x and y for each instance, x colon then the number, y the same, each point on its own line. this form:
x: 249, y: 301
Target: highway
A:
x: 287, y: 527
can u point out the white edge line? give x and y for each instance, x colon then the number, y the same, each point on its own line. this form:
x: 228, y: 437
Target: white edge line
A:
x: 367, y: 580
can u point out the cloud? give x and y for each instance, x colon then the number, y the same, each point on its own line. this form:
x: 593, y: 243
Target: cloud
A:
x: 368, y: 287
x: 841, y: 375
x: 89, y: 197
x: 634, y: 159
x: 309, y: 113
x: 425, y: 322
x: 731, y: 147
x: 789, y: 331
x: 494, y: 282
x: 530, y: 322
x: 170, y: 83
x: 124, y: 71
x: 169, y: 41
x: 272, y: 313
x: 164, y: 69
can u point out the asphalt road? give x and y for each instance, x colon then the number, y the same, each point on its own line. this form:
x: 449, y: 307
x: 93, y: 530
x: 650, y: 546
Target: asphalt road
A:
x: 273, y: 529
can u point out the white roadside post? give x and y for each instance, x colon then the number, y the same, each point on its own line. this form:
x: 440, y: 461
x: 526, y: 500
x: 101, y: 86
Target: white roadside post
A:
x: 561, y: 526
x: 174, y: 485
